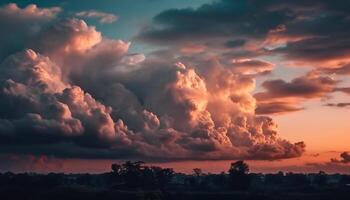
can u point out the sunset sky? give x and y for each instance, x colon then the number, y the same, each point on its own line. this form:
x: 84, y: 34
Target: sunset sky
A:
x: 182, y: 84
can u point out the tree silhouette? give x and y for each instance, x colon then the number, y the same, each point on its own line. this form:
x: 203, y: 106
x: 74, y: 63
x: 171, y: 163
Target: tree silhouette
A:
x: 117, y: 169
x: 197, y: 172
x: 163, y: 176
x: 239, y: 177
x: 320, y: 178
x: 136, y: 175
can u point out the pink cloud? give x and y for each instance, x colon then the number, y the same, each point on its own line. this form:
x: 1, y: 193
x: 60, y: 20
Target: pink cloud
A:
x: 78, y: 94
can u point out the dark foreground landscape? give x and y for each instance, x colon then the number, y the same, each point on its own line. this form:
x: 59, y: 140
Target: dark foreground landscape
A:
x: 135, y: 180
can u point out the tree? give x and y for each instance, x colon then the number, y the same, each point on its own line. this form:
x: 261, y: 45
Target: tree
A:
x: 163, y: 176
x: 239, y: 167
x: 239, y: 177
x: 320, y: 178
x: 117, y: 169
x: 137, y: 175
x: 197, y: 172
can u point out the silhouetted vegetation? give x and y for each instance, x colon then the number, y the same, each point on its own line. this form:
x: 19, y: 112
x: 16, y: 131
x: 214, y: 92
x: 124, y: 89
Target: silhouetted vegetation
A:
x: 136, y: 180
x: 133, y: 175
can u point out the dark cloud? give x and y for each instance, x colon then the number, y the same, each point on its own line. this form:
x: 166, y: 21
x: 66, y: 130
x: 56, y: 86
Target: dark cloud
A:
x: 312, y: 85
x: 20, y: 25
x: 313, y: 33
x: 276, y: 108
x: 282, y: 97
x: 340, y: 105
x: 343, y: 70
x: 219, y: 19
x: 345, y: 90
x: 345, y: 158
x: 235, y: 43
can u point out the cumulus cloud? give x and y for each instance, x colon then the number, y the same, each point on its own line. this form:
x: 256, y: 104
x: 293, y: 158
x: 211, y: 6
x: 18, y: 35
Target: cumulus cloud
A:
x: 237, y: 34
x: 71, y: 92
x: 31, y: 11
x: 50, y: 109
x: 20, y: 25
x: 53, y: 111
x: 102, y: 16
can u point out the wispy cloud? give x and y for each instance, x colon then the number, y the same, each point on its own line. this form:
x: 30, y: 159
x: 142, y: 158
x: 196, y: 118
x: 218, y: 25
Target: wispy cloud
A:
x: 102, y: 16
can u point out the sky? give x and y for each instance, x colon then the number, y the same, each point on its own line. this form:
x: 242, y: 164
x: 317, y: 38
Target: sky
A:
x: 182, y: 84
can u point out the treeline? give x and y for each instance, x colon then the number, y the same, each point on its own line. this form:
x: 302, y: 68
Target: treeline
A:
x: 139, y: 176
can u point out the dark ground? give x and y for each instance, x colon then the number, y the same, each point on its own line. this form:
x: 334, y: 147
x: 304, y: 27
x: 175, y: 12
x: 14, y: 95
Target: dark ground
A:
x: 134, y: 180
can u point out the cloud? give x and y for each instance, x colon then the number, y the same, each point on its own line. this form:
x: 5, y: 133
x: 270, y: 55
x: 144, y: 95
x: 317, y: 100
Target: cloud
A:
x: 22, y: 25
x: 31, y: 11
x: 221, y: 19
x: 276, y: 108
x: 340, y: 105
x: 237, y: 34
x: 309, y: 86
x: 102, y: 16
x: 345, y: 158
x: 342, y: 70
x: 282, y: 97
x: 345, y: 90
x: 252, y: 67
x: 290, y: 29
x: 50, y: 110
x: 70, y: 92
x: 68, y: 36
x: 55, y: 112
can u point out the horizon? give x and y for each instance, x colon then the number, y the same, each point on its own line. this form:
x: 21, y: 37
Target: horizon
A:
x: 178, y: 84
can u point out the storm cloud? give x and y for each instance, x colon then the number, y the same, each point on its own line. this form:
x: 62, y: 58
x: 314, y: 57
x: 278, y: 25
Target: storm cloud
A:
x: 70, y: 92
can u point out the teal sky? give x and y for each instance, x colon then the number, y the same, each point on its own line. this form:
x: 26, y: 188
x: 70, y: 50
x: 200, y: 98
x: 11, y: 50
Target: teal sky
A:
x: 132, y: 14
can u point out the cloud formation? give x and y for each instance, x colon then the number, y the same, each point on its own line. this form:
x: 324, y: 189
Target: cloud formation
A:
x: 281, y: 96
x: 22, y: 25
x: 345, y: 90
x: 345, y: 158
x: 308, y: 86
x: 276, y: 107
x: 82, y: 95
x: 237, y: 33
x: 102, y: 16
x: 301, y: 32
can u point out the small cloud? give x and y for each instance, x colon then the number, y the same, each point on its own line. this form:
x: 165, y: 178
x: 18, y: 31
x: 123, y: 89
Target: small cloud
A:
x: 345, y: 90
x: 276, y: 108
x: 105, y: 18
x: 339, y: 105
x: 345, y: 158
